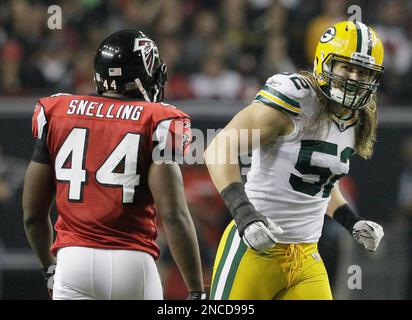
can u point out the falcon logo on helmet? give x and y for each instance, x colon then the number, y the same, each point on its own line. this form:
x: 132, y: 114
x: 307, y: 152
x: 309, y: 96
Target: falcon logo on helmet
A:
x: 128, y: 62
x: 149, y: 53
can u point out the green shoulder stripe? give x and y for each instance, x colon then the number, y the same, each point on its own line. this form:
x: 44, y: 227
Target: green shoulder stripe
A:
x: 281, y: 96
x: 262, y: 98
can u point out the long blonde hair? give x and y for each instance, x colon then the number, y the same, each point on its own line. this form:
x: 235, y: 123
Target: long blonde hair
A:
x: 366, y: 127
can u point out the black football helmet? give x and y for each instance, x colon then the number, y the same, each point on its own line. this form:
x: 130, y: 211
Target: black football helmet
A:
x: 128, y: 62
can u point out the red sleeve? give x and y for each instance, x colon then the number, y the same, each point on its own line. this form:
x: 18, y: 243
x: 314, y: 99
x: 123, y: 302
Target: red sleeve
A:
x: 34, y: 122
x: 172, y: 139
x: 39, y: 130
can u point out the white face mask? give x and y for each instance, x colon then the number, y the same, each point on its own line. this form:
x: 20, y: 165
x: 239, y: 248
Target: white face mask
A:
x: 337, y: 95
x: 352, y: 94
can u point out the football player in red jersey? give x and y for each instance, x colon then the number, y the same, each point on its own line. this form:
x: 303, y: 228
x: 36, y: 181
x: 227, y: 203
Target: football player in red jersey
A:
x: 102, y: 158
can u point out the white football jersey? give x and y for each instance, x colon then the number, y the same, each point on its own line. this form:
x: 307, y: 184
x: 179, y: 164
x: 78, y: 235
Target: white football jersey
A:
x: 291, y: 178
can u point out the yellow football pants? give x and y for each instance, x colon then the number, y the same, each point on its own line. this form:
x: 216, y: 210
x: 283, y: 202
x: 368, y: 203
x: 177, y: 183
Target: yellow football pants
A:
x: 284, y: 272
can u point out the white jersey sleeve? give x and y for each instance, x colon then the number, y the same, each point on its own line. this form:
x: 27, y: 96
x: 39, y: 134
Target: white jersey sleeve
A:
x: 285, y: 93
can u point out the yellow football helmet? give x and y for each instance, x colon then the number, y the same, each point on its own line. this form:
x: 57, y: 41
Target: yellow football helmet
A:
x: 351, y: 43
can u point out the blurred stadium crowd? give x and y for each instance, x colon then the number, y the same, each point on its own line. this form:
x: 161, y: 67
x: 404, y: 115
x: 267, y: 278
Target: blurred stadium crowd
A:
x: 214, y: 49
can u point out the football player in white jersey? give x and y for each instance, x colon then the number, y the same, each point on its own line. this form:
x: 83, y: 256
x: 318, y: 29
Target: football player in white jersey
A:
x: 310, y: 126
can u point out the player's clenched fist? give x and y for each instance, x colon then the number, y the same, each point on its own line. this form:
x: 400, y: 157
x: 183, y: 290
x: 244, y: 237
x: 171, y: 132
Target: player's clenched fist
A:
x: 368, y: 233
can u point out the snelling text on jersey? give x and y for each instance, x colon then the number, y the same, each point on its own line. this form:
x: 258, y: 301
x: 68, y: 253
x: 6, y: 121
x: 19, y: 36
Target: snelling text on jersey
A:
x: 104, y: 110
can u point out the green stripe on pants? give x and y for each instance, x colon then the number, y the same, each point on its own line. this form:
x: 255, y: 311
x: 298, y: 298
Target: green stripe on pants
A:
x: 233, y: 270
x: 223, y: 260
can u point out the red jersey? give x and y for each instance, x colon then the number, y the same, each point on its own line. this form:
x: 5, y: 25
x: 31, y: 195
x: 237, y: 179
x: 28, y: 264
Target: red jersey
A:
x: 101, y: 150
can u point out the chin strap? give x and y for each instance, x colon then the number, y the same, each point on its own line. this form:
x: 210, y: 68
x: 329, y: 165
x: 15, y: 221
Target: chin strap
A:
x: 156, y: 93
x: 142, y: 90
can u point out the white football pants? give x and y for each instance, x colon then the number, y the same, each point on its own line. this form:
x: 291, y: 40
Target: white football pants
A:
x: 104, y: 274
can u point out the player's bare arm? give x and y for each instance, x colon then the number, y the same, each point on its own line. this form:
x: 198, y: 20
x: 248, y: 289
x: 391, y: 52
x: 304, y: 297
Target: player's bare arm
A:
x: 268, y: 120
x: 38, y: 194
x: 166, y: 185
x: 336, y: 200
x: 257, y: 232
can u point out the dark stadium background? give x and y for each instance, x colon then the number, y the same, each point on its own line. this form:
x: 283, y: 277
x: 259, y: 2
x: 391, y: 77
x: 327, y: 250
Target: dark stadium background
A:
x: 218, y: 53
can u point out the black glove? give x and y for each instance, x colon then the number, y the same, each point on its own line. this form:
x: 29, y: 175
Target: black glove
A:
x: 197, y: 295
x: 48, y: 274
